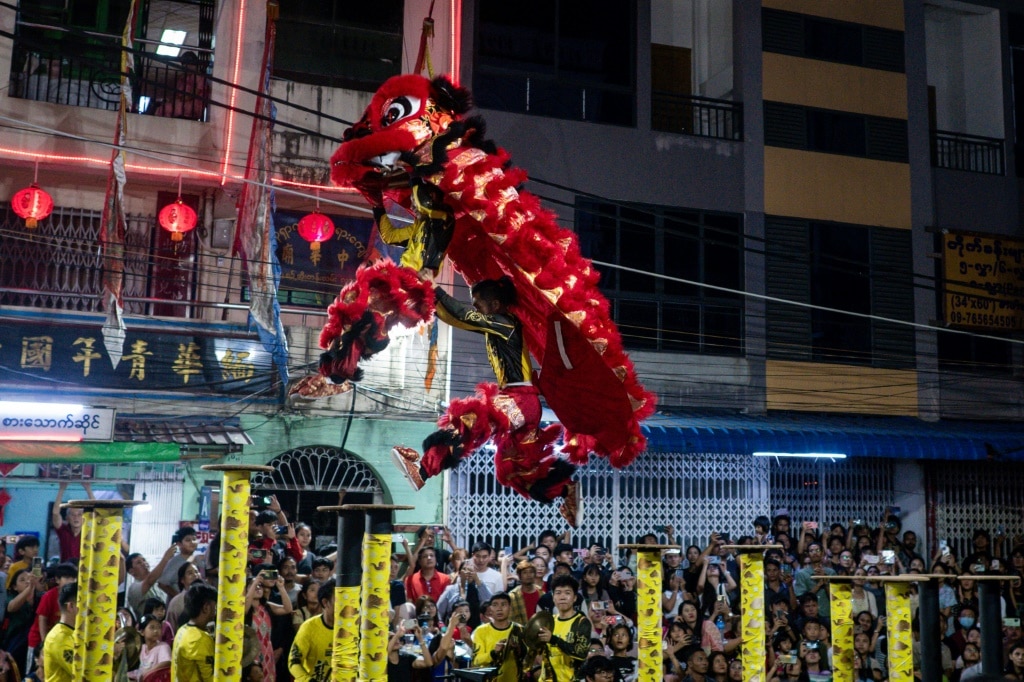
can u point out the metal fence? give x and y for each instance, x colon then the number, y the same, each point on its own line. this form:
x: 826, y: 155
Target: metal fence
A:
x: 694, y: 115
x: 973, y: 153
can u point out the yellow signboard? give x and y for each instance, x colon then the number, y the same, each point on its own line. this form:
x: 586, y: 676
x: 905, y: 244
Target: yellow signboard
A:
x: 984, y: 281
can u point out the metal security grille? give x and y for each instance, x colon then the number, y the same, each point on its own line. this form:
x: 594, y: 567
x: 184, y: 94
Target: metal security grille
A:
x: 696, y: 493
x: 318, y: 468
x: 58, y: 264
x: 832, y: 491
x: 966, y: 496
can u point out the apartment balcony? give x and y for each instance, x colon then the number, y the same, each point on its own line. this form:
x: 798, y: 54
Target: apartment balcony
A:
x: 971, y: 153
x: 693, y: 115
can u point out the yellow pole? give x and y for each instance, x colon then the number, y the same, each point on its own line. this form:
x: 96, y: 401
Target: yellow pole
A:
x: 376, y: 597
x: 752, y: 613
x: 897, y: 610
x: 84, y: 594
x: 98, y: 574
x: 234, y: 546
x: 841, y: 602
x: 649, y: 582
x: 347, y: 576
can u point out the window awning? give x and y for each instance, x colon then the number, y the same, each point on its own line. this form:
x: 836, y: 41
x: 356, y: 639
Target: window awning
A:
x: 852, y: 435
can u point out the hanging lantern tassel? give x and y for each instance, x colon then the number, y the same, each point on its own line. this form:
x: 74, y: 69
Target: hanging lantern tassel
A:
x: 177, y: 218
x: 315, y: 227
x: 32, y: 204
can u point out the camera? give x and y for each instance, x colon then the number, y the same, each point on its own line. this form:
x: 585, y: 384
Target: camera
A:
x: 260, y: 501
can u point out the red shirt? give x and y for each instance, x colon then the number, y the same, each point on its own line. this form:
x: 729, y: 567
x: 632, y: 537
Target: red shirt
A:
x: 70, y: 544
x: 530, y: 600
x: 49, y: 609
x: 416, y: 586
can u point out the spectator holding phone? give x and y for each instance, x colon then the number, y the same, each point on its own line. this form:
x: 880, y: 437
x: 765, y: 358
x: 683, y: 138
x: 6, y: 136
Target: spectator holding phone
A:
x: 186, y: 542
x: 22, y: 601
x: 144, y: 583
x: 714, y: 585
x: 259, y: 610
x: 805, y: 578
x: 48, y: 611
x: 26, y: 549
x: 275, y: 534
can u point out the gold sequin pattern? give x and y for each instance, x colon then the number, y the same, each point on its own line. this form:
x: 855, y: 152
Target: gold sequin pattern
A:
x: 373, y: 640
x: 345, y: 652
x: 841, y: 602
x: 752, y: 611
x: 897, y: 610
x: 648, y: 597
x: 234, y: 545
x: 101, y: 578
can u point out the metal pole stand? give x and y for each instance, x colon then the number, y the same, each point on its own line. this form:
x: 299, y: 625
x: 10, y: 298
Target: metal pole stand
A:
x: 234, y: 550
x: 376, y: 597
x: 990, y: 619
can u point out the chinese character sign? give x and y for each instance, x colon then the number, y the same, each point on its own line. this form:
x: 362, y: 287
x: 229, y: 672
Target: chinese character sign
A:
x: 984, y: 281
x: 314, y: 277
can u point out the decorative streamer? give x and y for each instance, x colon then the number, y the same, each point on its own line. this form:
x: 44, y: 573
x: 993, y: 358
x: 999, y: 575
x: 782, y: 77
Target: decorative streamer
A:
x: 373, y: 641
x: 234, y: 544
x: 897, y: 609
x: 752, y: 615
x: 841, y: 601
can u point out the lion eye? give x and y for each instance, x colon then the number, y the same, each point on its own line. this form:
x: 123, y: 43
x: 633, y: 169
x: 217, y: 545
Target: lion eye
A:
x: 399, y: 108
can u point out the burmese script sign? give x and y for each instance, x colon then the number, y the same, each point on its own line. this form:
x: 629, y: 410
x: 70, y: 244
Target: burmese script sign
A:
x: 55, y: 421
x: 314, y: 277
x: 984, y: 281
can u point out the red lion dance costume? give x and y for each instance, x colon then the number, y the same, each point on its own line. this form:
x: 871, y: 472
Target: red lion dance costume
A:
x: 415, y: 146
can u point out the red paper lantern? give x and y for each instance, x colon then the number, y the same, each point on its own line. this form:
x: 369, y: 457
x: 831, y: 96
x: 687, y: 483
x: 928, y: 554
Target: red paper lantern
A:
x: 315, y: 228
x: 177, y: 218
x: 33, y: 204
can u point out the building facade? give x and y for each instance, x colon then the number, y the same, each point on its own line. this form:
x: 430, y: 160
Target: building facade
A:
x: 806, y: 215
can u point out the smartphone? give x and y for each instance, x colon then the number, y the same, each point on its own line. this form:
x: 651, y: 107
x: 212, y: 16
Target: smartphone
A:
x: 37, y: 567
x: 680, y: 573
x: 269, y: 575
x: 257, y: 553
x: 260, y: 501
x: 397, y: 538
x: 12, y: 539
x: 995, y: 564
x: 977, y: 568
x: 508, y: 551
x: 612, y: 620
x: 858, y: 522
x: 895, y: 511
x: 281, y: 530
x: 723, y: 598
x: 1011, y: 622
x: 871, y: 558
x: 714, y: 560
x: 598, y: 605
x: 409, y: 623
x: 888, y: 556
x: 787, y: 659
x: 811, y: 525
x: 944, y: 547
x: 787, y: 569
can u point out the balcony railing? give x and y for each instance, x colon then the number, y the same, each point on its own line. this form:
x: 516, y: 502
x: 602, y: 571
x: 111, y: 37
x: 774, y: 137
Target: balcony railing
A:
x: 972, y: 153
x: 694, y: 115
x: 88, y: 75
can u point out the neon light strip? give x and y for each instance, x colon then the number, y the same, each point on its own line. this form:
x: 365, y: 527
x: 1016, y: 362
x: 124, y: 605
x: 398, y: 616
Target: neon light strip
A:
x: 170, y: 170
x: 813, y: 455
x: 455, y: 38
x: 44, y: 437
x: 234, y: 92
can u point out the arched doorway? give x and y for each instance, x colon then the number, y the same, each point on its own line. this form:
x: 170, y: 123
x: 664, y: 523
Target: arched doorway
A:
x: 313, y: 476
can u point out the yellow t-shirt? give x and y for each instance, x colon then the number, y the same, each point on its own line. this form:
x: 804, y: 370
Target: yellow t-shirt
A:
x: 192, y: 655
x: 576, y: 632
x: 485, y: 638
x: 310, y: 657
x: 59, y: 653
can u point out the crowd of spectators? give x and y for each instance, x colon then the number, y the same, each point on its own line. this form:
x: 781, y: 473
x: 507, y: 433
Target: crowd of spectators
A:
x: 454, y: 607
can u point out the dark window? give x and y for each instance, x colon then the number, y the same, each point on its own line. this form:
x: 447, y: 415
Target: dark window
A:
x: 564, y: 59
x: 835, y: 132
x: 697, y: 246
x: 841, y: 280
x: 970, y: 353
x: 802, y: 35
x: 335, y: 43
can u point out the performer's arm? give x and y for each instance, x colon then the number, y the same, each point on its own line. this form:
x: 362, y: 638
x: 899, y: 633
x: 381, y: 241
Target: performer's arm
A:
x: 458, y: 314
x: 388, y: 232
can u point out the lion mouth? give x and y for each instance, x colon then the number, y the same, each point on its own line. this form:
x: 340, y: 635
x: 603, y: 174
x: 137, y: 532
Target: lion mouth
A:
x: 386, y: 161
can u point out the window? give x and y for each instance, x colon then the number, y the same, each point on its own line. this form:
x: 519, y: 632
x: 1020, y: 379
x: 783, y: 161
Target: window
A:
x: 802, y: 35
x: 835, y: 132
x: 564, y: 59
x: 840, y: 276
x: 1017, y: 74
x: 335, y: 43
x: 969, y: 353
x: 848, y: 269
x: 662, y: 314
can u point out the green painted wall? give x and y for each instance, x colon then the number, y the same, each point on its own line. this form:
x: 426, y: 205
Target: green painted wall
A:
x: 369, y: 439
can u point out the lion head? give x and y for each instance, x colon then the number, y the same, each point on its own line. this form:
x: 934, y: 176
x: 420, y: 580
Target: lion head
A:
x: 399, y: 131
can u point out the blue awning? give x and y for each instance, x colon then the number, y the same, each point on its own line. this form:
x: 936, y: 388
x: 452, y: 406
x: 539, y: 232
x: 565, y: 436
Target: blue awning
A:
x: 852, y: 435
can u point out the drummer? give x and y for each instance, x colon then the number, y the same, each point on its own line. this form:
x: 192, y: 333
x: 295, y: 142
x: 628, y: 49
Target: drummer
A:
x: 568, y: 642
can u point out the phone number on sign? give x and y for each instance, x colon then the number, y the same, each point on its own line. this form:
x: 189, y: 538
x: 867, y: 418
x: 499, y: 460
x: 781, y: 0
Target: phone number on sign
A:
x: 984, y: 319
